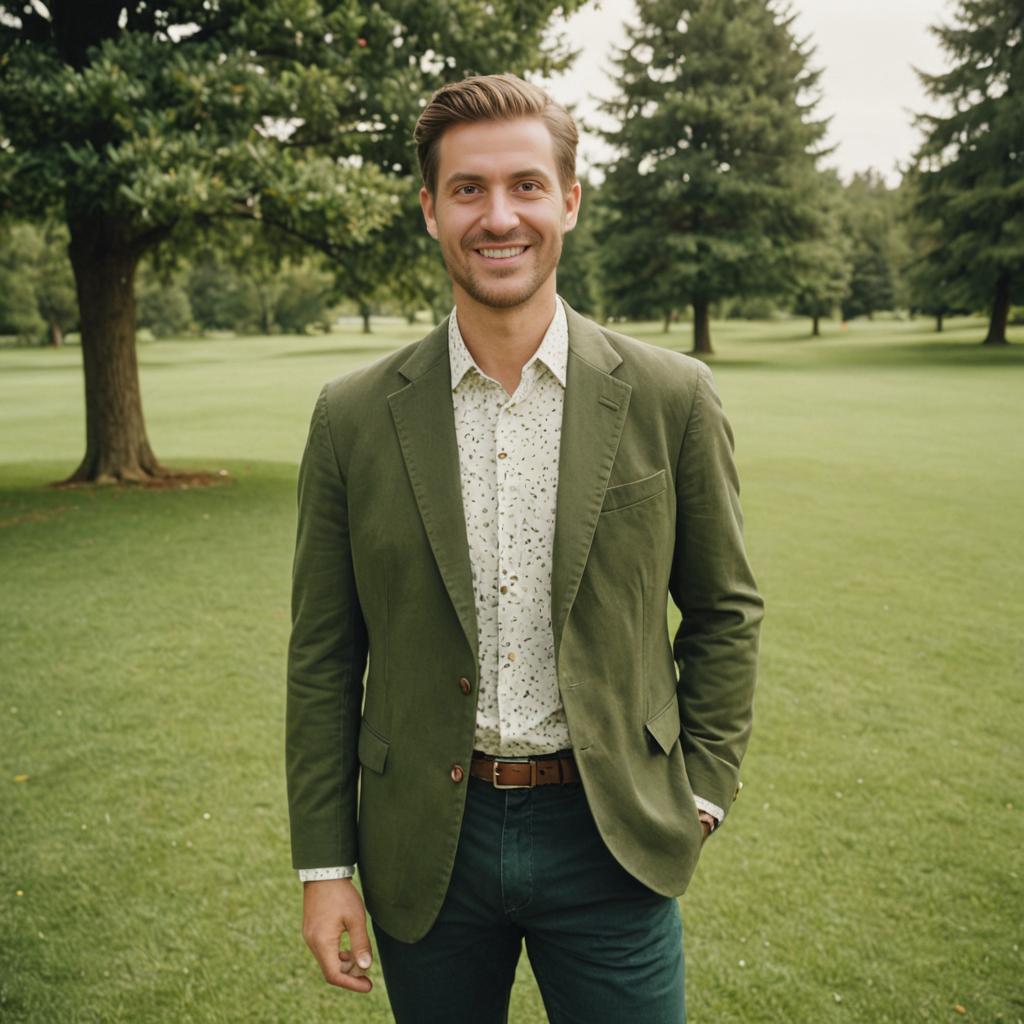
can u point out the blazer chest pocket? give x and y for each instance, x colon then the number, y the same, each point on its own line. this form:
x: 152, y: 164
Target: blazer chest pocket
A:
x: 373, y: 749
x: 626, y: 495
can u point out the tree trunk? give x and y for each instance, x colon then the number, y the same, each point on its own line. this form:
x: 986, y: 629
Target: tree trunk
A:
x: 666, y: 322
x: 116, y: 446
x: 56, y: 335
x: 938, y: 323
x: 815, y: 326
x: 701, y: 327
x: 364, y: 312
x: 1000, y: 313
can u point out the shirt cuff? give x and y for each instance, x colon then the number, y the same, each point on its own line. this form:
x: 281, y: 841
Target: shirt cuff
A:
x: 322, y: 874
x: 714, y: 810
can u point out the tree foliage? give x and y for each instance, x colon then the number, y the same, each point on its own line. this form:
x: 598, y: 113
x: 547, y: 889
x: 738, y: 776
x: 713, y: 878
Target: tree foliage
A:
x: 143, y: 122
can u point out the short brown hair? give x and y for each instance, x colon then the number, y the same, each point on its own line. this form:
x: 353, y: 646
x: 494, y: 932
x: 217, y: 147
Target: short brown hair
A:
x: 493, y: 98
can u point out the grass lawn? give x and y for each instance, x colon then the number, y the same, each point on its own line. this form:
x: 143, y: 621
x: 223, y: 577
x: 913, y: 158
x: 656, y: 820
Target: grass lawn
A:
x: 871, y: 870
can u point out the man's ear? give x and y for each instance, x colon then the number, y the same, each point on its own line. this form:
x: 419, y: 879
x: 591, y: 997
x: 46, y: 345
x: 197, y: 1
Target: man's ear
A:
x: 427, y: 206
x: 573, y: 198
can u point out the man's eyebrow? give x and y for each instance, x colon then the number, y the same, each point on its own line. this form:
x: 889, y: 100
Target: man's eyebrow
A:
x: 462, y: 177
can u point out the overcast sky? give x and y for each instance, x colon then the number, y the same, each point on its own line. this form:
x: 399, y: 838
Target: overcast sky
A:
x: 866, y: 47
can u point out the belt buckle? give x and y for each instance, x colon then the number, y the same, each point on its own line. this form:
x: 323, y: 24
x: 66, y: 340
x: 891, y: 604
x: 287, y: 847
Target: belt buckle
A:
x: 513, y: 785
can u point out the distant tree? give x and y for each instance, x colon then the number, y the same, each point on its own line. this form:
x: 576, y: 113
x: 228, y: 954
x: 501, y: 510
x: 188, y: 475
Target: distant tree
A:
x: 871, y: 223
x: 970, y: 166
x: 304, y: 297
x: 136, y: 121
x: 821, y: 266
x: 577, y: 269
x: 934, y: 286
x: 714, y: 176
x: 221, y: 297
x: 162, y: 304
x: 19, y: 311
x: 37, y: 291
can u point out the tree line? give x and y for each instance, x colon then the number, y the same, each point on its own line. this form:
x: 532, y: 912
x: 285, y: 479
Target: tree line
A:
x: 228, y: 149
x: 237, y: 284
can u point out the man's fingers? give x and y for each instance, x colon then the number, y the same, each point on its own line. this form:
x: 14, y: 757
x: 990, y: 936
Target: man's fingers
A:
x: 331, y: 965
x: 349, y: 966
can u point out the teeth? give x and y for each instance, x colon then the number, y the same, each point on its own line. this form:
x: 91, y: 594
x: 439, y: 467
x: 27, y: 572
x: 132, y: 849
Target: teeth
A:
x: 502, y: 254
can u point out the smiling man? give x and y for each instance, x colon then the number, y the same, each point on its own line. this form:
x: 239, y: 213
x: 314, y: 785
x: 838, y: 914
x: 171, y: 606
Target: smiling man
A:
x: 485, y: 709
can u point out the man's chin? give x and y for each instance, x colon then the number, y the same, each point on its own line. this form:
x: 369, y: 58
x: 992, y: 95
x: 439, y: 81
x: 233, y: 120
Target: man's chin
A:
x: 498, y: 297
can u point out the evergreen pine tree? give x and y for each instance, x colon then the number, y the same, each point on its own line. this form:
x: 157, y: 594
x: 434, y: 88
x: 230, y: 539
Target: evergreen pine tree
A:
x: 970, y: 167
x: 714, y: 180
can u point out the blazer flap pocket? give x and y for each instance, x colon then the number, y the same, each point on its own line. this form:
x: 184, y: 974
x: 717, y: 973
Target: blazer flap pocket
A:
x: 623, y: 495
x: 373, y: 749
x: 664, y: 726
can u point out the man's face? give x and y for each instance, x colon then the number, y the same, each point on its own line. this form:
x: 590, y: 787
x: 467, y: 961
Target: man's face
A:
x: 499, y: 212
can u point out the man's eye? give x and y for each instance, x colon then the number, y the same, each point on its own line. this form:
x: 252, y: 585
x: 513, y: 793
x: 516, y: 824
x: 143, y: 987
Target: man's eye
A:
x: 462, y: 190
x: 529, y: 186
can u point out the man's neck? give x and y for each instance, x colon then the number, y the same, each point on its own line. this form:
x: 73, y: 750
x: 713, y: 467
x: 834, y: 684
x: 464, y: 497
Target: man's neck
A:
x: 501, y: 341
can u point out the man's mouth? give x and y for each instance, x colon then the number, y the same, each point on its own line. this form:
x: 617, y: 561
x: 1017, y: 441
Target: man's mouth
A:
x: 506, y: 253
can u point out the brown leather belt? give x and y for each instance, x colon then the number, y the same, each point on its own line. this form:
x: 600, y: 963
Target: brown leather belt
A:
x: 504, y: 774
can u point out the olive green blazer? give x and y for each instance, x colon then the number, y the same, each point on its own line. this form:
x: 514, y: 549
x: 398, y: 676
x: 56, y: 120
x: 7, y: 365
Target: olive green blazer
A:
x: 384, y: 624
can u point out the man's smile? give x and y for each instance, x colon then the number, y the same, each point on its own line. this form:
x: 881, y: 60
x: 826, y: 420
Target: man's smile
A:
x: 505, y: 254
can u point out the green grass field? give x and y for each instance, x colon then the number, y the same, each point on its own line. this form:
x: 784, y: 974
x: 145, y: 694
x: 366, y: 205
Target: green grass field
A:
x: 871, y: 870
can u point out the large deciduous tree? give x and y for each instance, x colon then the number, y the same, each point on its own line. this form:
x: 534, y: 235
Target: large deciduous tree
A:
x: 138, y: 122
x: 970, y: 167
x: 714, y: 179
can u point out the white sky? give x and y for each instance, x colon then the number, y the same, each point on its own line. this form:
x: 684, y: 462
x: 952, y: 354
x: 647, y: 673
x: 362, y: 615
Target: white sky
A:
x: 867, y: 48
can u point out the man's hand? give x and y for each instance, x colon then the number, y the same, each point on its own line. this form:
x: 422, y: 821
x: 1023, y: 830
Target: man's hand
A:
x: 707, y: 822
x: 330, y: 908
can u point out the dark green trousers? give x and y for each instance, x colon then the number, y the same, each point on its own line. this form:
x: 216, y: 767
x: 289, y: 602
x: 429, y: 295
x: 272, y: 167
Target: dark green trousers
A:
x: 531, y: 866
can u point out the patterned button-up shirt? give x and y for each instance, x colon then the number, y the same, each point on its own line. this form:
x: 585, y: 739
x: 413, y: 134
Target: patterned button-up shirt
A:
x: 508, y: 465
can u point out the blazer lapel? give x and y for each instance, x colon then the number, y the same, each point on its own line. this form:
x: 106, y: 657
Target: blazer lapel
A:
x: 425, y: 422
x: 592, y: 422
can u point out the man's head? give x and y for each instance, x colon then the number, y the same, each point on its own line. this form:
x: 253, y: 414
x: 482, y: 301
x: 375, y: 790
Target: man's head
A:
x: 498, y: 158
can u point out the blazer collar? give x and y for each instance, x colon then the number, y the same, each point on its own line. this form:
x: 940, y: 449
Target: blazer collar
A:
x: 593, y: 417
x: 585, y: 341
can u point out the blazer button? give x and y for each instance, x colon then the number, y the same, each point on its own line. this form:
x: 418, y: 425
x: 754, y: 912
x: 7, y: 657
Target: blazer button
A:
x: 464, y: 685
x: 456, y: 773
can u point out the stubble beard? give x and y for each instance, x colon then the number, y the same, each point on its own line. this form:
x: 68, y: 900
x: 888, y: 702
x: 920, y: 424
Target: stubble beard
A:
x: 461, y: 272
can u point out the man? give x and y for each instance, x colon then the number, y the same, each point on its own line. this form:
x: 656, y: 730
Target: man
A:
x: 494, y: 517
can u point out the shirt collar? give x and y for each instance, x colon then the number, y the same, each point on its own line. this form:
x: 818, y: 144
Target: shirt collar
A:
x: 553, y: 350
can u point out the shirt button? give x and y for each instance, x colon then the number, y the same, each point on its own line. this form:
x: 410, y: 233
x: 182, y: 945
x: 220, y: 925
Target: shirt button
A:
x: 456, y: 773
x: 511, y: 655
x: 502, y: 455
x: 464, y: 685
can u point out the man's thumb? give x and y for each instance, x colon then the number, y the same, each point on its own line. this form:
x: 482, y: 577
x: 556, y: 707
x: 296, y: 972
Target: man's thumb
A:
x: 359, y: 942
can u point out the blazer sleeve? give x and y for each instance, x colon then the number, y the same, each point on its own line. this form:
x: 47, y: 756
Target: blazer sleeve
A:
x: 716, y: 645
x: 327, y: 654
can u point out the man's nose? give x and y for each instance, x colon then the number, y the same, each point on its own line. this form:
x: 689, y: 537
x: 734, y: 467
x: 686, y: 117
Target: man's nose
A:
x: 500, y: 216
